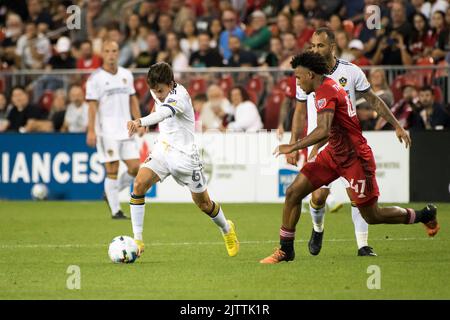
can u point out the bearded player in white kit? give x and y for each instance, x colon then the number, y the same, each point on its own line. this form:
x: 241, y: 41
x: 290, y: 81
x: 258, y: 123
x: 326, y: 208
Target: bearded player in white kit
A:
x: 112, y: 101
x: 175, y: 154
x: 353, y: 80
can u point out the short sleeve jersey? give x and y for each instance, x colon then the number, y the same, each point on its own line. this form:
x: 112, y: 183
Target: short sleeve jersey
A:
x: 178, y: 130
x: 112, y: 91
x: 346, y: 140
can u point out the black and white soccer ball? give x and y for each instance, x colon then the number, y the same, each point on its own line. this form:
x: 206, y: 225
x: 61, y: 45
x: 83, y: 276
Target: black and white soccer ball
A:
x: 123, y: 249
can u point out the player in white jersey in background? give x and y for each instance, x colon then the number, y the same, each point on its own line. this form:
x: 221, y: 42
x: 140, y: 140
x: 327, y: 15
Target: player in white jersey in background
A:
x: 111, y: 97
x: 353, y: 80
x: 174, y: 154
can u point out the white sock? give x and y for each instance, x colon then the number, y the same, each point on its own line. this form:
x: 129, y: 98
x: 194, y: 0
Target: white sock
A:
x: 125, y: 180
x: 361, y: 228
x: 112, y: 194
x: 137, y: 218
x: 221, y: 221
x: 318, y: 217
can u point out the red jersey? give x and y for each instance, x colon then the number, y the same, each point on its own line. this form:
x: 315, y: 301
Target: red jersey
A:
x: 346, y: 141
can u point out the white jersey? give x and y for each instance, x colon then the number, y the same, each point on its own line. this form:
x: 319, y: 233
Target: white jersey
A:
x: 178, y: 130
x: 349, y: 76
x: 112, y: 91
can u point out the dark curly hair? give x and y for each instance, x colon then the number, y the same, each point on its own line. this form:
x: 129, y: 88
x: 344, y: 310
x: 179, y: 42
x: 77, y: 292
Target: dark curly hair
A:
x: 310, y: 60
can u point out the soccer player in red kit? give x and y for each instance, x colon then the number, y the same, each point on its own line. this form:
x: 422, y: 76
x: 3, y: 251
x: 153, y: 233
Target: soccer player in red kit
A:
x: 347, y: 155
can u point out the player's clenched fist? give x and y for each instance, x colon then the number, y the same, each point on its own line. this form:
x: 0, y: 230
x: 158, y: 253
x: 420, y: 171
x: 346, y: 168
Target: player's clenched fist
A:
x: 292, y: 158
x: 133, y: 126
x: 283, y: 149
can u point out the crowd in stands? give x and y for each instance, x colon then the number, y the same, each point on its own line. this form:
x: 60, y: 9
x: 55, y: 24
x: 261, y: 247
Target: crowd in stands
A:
x: 193, y: 34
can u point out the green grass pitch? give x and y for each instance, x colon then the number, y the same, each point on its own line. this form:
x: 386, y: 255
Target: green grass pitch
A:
x: 185, y: 257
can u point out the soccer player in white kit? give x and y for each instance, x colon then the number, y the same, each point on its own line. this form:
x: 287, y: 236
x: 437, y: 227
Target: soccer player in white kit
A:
x: 111, y: 97
x: 174, y: 154
x: 353, y: 80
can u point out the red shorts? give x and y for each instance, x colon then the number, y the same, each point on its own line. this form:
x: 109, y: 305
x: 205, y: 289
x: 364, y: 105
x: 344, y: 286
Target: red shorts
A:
x: 359, y: 173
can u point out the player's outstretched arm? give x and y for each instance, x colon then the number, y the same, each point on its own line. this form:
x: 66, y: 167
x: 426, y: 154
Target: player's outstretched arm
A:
x: 320, y: 133
x: 383, y: 110
x: 150, y: 120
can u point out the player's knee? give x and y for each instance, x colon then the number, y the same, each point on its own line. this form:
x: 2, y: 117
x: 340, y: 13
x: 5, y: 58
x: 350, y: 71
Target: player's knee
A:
x: 292, y: 194
x: 319, y: 198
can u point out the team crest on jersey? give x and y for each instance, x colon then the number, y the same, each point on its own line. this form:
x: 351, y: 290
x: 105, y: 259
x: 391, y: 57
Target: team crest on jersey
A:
x: 321, y: 103
x: 124, y: 81
x: 110, y: 152
x: 172, y: 102
x: 343, y: 81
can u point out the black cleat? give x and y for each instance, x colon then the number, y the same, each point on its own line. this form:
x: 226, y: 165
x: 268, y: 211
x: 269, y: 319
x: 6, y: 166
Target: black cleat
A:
x: 315, y: 242
x: 429, y: 220
x: 119, y: 215
x: 366, y: 252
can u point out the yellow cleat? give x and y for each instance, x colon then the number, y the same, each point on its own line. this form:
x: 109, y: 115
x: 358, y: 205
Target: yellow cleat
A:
x: 231, y: 241
x: 335, y: 208
x: 141, y: 246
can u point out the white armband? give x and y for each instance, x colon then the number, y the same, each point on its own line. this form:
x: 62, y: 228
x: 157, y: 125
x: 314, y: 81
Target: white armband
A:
x: 156, y: 117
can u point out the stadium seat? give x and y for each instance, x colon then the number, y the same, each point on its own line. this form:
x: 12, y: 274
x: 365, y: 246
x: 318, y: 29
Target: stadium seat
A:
x: 272, y: 109
x: 226, y: 83
x: 141, y: 86
x: 196, y: 86
x: 46, y: 101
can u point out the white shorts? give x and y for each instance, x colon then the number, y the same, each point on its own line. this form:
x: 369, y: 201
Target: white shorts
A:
x: 344, y: 182
x: 110, y: 150
x: 186, y: 170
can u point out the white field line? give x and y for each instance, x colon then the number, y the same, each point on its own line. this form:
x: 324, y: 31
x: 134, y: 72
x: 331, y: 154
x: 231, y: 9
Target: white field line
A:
x: 201, y: 243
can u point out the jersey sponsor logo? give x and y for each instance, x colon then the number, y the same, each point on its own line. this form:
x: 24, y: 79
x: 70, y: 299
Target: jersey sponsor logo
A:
x: 124, y: 81
x: 343, y: 81
x: 321, y: 103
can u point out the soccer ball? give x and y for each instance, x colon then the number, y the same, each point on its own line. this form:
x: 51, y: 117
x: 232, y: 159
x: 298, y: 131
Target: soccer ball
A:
x: 123, y: 249
x: 39, y: 191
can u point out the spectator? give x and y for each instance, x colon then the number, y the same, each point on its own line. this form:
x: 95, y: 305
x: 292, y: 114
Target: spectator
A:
x: 135, y: 35
x: 283, y: 24
x: 21, y: 111
x: 173, y: 55
x: 231, y: 29
x: 215, y: 30
x: 392, y: 51
x: 357, y: 50
x: 210, y: 13
x: 312, y: 10
x: 367, y: 35
x: 189, y: 41
x: 59, y: 19
x: 335, y: 23
x: 148, y: 13
x: 342, y: 50
x: 180, y: 13
x: 433, y: 114
x: 205, y: 56
x: 240, y: 57
x: 94, y: 16
x: 258, y: 39
x: 216, y: 110
x: 421, y: 42
x: 13, y: 31
x: 63, y: 59
x: 292, y: 8
x: 33, y: 49
x: 399, y: 22
x: 366, y: 115
x: 4, y: 110
x: 379, y: 85
x: 406, y: 111
x: 125, y: 50
x: 422, y: 7
x: 55, y: 119
x: 87, y: 59
x: 246, y: 115
x: 275, y: 55
x: 431, y: 6
x: 39, y: 16
x: 289, y: 50
x: 441, y: 33
x: 149, y: 56
x: 76, y: 117
x: 165, y: 25
x: 302, y: 31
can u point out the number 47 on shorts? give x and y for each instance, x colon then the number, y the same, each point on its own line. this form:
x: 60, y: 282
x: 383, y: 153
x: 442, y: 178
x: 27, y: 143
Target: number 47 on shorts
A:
x: 359, y: 186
